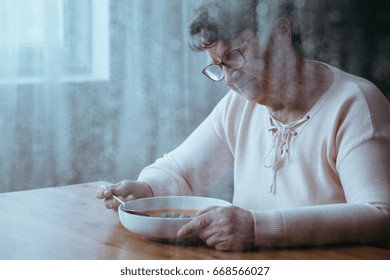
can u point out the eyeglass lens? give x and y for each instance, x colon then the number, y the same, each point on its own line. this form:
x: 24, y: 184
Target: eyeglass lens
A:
x: 214, y: 72
x: 233, y: 59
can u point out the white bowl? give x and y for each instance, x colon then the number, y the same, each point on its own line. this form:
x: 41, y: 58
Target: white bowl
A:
x: 163, y: 228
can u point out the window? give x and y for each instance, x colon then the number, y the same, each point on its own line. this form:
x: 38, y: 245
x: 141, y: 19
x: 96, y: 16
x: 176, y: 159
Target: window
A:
x: 61, y: 39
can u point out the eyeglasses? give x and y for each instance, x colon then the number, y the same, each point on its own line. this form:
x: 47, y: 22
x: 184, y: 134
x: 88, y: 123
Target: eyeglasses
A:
x: 233, y: 59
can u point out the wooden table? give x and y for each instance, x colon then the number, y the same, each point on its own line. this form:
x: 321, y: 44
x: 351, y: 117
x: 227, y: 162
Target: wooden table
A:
x: 68, y: 222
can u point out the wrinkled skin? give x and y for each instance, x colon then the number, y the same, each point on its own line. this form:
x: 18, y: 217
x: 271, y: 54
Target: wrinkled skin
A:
x: 224, y: 228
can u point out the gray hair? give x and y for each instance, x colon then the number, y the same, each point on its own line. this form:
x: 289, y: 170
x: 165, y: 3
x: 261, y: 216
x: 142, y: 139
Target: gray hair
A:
x: 217, y: 20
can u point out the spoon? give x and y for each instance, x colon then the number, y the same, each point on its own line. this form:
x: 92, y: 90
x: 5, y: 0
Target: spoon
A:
x: 125, y: 209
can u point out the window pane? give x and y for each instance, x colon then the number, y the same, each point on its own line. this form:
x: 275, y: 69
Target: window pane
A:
x: 54, y: 39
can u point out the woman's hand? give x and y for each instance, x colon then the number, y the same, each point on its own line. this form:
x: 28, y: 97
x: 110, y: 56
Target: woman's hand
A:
x: 126, y: 190
x: 224, y: 228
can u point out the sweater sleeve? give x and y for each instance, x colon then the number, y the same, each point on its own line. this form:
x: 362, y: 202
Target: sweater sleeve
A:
x: 194, y: 167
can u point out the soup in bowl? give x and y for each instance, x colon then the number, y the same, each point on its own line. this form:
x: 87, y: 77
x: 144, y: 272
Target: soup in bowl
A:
x: 166, y: 214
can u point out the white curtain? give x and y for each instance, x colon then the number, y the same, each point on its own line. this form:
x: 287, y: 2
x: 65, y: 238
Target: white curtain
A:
x: 31, y: 119
x: 70, y: 113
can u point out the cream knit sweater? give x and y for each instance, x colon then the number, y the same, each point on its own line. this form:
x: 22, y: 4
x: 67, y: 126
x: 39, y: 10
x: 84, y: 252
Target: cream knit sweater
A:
x: 324, y: 179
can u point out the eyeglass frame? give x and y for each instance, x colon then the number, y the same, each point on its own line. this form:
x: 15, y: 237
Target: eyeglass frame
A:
x: 220, y: 64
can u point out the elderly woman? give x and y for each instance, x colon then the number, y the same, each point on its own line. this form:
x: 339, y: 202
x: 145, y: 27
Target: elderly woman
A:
x: 309, y: 144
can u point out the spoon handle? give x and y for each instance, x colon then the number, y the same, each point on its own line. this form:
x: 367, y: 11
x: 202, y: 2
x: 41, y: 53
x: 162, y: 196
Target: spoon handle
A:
x: 115, y: 197
x: 119, y: 200
x: 125, y: 209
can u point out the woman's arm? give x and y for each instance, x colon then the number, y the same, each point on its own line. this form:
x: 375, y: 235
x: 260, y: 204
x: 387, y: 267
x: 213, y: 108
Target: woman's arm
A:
x: 194, y: 167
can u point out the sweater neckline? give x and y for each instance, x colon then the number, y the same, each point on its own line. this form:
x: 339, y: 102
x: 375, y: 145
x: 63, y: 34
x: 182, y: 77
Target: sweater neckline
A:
x: 283, y: 133
x: 324, y: 96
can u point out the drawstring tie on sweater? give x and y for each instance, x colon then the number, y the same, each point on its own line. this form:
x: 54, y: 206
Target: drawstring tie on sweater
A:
x: 281, y: 147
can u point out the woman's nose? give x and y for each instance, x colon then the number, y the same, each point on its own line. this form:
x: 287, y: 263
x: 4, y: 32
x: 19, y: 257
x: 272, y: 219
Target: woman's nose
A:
x: 231, y: 75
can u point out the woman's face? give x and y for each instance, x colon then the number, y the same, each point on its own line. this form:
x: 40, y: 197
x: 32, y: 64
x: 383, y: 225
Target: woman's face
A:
x: 260, y: 71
